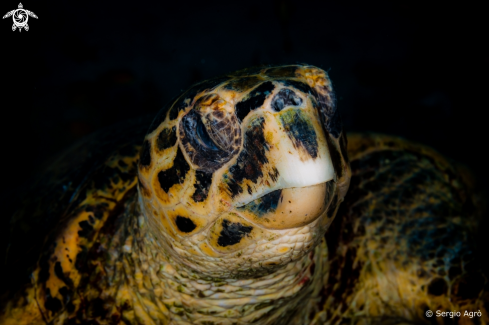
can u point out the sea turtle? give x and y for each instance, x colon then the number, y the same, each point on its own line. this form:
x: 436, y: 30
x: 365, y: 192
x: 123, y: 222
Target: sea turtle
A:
x: 224, y: 213
x: 20, y: 17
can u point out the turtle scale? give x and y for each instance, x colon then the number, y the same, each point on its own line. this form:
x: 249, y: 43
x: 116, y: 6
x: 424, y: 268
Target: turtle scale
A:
x: 92, y: 193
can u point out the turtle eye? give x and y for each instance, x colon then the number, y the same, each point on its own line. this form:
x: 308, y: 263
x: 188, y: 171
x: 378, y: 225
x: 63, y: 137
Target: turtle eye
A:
x: 201, y: 135
x: 194, y: 135
x: 210, y: 134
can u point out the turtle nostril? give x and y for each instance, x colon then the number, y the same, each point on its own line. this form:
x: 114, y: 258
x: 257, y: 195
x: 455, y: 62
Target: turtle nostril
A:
x: 296, y: 100
x: 284, y: 98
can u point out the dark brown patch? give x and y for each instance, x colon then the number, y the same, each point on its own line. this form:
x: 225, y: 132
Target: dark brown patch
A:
x: 86, y: 229
x: 174, y: 175
x: 330, y: 117
x: 145, y: 158
x: 167, y: 138
x: 58, y: 271
x: 300, y: 131
x: 253, y: 100
x: 232, y: 233
x: 185, y: 224
x: 52, y: 303
x: 202, y: 185
x: 251, y: 159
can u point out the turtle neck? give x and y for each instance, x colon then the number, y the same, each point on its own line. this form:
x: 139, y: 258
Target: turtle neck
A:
x: 153, y: 286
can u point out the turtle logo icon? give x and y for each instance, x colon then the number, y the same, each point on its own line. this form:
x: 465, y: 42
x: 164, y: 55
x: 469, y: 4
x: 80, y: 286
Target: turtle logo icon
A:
x: 20, y: 17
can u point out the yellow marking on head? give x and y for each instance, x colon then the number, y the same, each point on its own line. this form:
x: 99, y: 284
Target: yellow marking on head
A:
x: 269, y: 137
x: 240, y: 233
x: 208, y: 251
x: 166, y: 225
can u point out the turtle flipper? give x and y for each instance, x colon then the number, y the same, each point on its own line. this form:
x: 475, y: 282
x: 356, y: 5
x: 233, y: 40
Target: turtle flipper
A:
x: 30, y: 13
x: 13, y: 27
x: 8, y: 14
x: 26, y: 27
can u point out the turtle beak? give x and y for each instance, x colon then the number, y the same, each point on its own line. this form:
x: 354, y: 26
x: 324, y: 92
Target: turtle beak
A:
x: 280, y: 151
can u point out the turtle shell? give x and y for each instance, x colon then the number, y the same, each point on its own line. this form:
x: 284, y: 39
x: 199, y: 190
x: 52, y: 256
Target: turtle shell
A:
x: 403, y: 240
x: 78, y: 191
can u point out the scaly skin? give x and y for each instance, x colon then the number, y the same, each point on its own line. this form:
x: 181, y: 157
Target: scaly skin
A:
x: 141, y: 283
x: 129, y: 278
x: 209, y: 225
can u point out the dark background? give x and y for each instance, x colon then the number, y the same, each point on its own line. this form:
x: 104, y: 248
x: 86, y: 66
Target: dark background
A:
x: 398, y: 67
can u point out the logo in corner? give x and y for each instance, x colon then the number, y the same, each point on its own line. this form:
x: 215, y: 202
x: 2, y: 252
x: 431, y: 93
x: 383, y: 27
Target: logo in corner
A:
x: 20, y: 17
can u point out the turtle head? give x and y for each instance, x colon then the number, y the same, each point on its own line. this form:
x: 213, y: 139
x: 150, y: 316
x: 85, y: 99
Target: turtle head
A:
x: 244, y: 173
